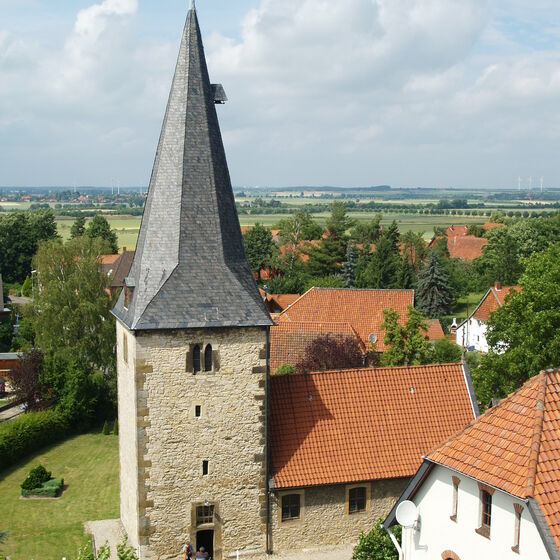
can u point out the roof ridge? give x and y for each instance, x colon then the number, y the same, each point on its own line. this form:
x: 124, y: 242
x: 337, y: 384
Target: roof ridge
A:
x: 385, y: 368
x: 537, y: 435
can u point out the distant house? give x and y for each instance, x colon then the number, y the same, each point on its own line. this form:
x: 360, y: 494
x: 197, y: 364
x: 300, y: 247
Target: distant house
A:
x: 471, y: 333
x: 493, y: 490
x: 276, y: 303
x: 117, y: 268
x: 7, y: 362
x: 463, y: 246
x: 361, y: 309
x: 344, y: 444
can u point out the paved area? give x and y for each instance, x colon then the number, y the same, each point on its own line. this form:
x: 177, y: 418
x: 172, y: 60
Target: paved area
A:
x: 108, y: 531
x: 10, y: 413
x: 112, y: 532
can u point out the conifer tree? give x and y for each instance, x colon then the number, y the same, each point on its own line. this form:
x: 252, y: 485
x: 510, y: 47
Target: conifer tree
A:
x: 433, y: 292
x: 105, y: 431
x: 115, y: 431
x: 349, y: 265
x: 78, y: 227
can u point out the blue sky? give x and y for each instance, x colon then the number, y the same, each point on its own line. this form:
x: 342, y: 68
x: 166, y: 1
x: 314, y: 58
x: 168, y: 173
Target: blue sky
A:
x: 405, y: 92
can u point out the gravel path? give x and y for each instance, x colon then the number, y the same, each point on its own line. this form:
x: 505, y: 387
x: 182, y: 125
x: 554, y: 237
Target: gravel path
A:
x: 110, y: 531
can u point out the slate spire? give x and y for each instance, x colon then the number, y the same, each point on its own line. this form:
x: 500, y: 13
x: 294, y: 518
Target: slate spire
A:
x: 190, y: 269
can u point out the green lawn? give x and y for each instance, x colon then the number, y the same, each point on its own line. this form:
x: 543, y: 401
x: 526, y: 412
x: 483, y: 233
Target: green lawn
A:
x: 51, y: 529
x: 468, y: 302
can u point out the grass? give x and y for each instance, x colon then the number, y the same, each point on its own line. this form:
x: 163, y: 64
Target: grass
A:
x: 51, y: 529
x: 468, y: 302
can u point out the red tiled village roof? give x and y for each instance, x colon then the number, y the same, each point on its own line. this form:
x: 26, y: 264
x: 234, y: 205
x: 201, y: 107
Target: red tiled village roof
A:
x: 493, y: 299
x: 356, y: 425
x: 288, y: 341
x: 515, y: 446
x: 362, y: 309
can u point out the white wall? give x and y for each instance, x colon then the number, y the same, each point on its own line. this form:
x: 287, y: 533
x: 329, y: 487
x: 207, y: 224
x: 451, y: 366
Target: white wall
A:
x: 437, y: 533
x: 474, y: 335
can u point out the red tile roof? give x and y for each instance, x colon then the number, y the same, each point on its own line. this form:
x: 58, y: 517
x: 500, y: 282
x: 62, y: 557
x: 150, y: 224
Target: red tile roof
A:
x: 435, y: 330
x: 277, y: 303
x: 465, y: 247
x: 108, y: 259
x: 288, y: 341
x: 357, y: 425
x: 363, y: 309
x: 515, y: 446
x: 493, y: 299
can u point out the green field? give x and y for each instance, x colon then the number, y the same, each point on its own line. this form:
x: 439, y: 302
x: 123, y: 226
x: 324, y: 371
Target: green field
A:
x: 127, y: 228
x: 50, y: 529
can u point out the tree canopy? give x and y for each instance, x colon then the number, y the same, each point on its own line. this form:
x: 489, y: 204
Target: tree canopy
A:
x: 99, y: 228
x: 259, y: 247
x: 433, y: 291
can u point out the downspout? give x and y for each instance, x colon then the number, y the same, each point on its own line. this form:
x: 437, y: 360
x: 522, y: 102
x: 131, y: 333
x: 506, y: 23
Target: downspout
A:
x: 395, y: 542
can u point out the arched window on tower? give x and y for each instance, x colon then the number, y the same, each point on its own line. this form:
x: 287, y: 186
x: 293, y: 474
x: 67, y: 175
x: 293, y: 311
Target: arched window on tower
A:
x: 208, y: 358
x: 196, y: 358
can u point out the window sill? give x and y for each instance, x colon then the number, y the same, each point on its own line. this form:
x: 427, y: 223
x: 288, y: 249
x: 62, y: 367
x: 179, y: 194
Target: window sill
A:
x: 483, y: 531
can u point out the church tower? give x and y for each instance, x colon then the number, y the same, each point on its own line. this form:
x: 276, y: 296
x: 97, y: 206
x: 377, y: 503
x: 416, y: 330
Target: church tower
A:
x: 192, y: 340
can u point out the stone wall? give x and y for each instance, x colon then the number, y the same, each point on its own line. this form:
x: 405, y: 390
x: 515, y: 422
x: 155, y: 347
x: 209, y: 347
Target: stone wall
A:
x: 173, y: 443
x: 127, y: 434
x: 324, y: 518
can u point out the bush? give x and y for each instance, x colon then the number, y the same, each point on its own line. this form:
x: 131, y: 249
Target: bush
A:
x: 50, y: 489
x: 115, y: 431
x: 36, y: 478
x: 285, y: 369
x: 28, y: 433
x: 105, y: 431
x: 377, y: 544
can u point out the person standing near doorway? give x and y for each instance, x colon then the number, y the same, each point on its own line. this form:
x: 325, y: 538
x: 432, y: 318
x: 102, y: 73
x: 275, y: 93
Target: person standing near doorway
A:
x: 202, y: 553
x: 188, y: 551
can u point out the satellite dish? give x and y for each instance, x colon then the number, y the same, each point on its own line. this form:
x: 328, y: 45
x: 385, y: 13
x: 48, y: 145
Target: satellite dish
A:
x: 372, y: 338
x: 407, y: 514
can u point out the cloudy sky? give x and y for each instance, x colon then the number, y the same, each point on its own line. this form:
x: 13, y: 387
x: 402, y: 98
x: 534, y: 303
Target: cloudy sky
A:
x: 462, y: 93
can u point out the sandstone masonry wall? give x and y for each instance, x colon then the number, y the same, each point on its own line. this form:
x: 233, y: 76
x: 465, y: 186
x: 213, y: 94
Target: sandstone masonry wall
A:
x: 324, y: 521
x: 173, y: 443
x: 126, y: 385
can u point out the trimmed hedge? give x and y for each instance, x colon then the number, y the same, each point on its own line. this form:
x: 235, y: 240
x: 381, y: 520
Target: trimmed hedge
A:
x: 50, y: 489
x: 28, y: 433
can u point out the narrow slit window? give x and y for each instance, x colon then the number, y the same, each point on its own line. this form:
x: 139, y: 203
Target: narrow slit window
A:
x: 517, y: 533
x: 198, y: 411
x: 455, y: 502
x: 125, y: 348
x: 486, y: 518
x: 196, y: 358
x: 208, y: 358
x: 204, y: 468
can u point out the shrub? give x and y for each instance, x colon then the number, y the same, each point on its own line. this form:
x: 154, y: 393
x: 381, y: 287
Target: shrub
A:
x: 105, y: 431
x: 377, y: 544
x: 285, y: 369
x: 28, y: 433
x: 125, y: 552
x: 36, y: 478
x: 50, y: 489
x: 115, y: 431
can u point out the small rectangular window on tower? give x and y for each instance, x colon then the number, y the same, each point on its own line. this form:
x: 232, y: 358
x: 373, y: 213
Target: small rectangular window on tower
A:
x: 204, y: 468
x: 197, y: 411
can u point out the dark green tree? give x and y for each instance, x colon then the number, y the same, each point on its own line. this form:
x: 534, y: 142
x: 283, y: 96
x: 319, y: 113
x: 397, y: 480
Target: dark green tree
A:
x: 293, y: 232
x: 349, y: 265
x: 382, y: 269
x: 523, y: 333
x: 366, y: 233
x: 433, y: 292
x: 27, y: 287
x: 259, y: 247
x: 20, y: 235
x: 78, y: 227
x: 500, y: 260
x: 408, y: 344
x: 99, y: 228
x: 445, y: 352
x: 327, y: 258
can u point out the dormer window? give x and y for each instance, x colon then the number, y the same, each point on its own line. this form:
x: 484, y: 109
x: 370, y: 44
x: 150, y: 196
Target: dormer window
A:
x: 196, y: 358
x: 129, y: 285
x: 208, y: 358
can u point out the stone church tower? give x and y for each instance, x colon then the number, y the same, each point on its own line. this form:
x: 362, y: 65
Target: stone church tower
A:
x: 192, y: 339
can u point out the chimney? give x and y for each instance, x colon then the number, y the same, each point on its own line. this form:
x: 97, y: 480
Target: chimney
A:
x: 497, y: 286
x: 453, y: 327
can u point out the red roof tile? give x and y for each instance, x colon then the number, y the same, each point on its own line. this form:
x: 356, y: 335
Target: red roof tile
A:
x: 363, y: 309
x: 493, y: 299
x: 288, y: 341
x: 356, y: 425
x: 515, y: 446
x: 466, y: 247
x: 435, y: 330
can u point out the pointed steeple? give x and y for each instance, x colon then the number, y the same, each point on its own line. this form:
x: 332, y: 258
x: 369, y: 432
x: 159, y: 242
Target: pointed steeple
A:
x: 190, y: 269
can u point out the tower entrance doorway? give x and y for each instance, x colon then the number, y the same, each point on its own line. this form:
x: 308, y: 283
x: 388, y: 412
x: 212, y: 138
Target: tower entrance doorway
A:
x: 205, y: 539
